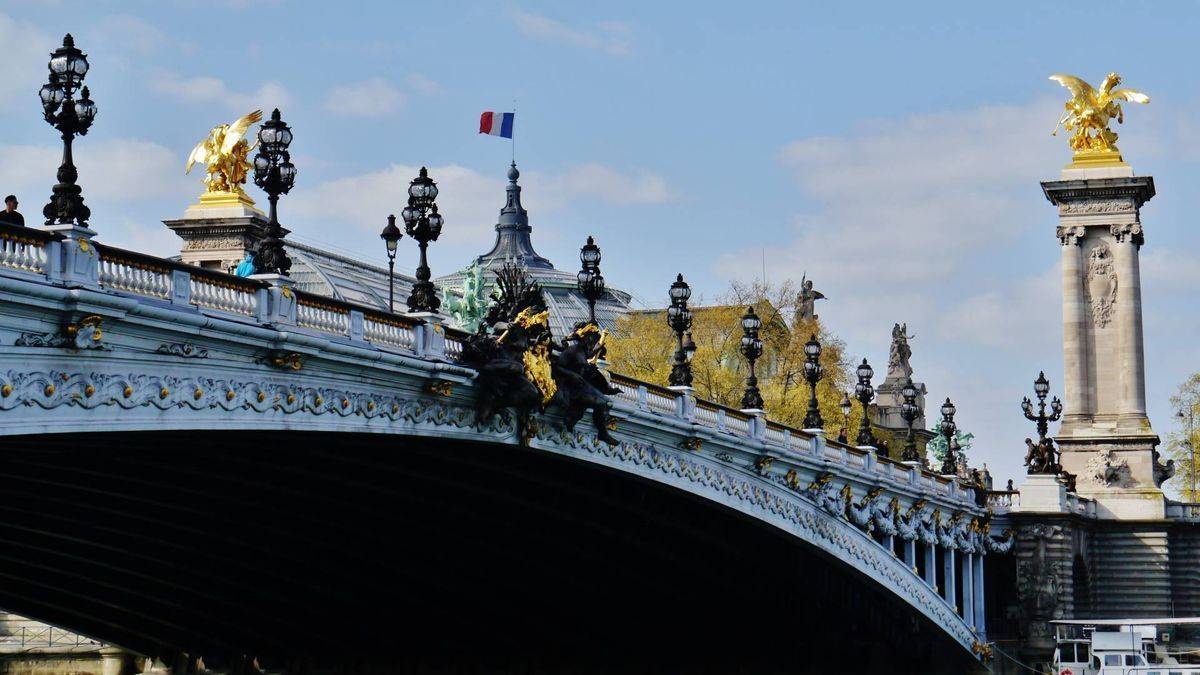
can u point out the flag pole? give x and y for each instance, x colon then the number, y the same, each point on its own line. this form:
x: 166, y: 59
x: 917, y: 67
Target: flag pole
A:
x: 513, y: 138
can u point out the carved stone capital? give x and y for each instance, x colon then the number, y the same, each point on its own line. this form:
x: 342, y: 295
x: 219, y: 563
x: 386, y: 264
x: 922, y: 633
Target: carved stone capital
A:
x: 1132, y: 231
x: 1070, y: 235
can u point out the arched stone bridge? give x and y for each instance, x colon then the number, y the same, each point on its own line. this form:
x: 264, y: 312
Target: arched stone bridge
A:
x: 147, y: 406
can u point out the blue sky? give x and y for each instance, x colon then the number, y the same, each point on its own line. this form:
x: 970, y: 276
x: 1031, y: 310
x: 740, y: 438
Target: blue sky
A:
x: 892, y: 150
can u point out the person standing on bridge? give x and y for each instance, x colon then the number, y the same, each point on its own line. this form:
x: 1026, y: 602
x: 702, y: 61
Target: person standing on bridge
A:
x: 10, y: 214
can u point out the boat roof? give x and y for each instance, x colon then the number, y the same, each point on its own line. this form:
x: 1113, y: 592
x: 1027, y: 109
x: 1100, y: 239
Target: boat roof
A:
x: 1163, y: 621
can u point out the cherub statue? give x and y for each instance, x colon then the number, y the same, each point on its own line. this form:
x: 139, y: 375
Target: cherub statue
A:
x: 1087, y: 115
x: 225, y: 152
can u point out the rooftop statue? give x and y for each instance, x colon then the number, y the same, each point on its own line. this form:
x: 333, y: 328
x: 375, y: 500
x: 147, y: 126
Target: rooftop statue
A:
x: 1087, y: 116
x: 900, y: 353
x: 808, y: 300
x: 225, y: 152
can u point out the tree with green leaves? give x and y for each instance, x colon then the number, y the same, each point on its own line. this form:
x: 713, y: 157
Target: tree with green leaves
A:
x: 1184, y: 441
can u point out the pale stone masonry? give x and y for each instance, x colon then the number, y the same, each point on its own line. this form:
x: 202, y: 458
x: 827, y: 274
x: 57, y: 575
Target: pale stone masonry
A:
x: 1106, y: 439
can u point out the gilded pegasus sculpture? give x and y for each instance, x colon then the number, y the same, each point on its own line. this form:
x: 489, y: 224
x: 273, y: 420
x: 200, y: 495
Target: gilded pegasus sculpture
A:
x: 225, y: 153
x: 1089, y: 112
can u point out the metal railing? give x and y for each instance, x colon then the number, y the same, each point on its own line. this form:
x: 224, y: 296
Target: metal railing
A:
x: 44, y: 637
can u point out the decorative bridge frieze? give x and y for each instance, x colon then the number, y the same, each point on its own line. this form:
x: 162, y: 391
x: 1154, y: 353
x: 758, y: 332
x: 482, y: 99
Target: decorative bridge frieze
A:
x: 149, y: 344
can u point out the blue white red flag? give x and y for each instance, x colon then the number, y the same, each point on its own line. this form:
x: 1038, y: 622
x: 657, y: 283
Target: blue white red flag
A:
x: 497, y: 124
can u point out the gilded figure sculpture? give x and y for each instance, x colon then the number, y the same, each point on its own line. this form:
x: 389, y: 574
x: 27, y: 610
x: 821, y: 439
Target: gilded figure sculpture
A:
x: 225, y: 152
x: 1089, y: 112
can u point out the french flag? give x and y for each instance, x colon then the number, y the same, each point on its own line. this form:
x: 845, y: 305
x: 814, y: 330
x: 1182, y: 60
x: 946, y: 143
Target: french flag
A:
x: 496, y: 124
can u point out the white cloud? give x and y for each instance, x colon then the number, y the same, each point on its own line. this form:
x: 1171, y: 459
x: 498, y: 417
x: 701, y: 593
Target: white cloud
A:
x: 118, y: 170
x: 610, y: 185
x: 609, y: 37
x: 23, y: 66
x: 130, y: 33
x: 204, y: 89
x: 1015, y: 317
x: 423, y: 85
x: 375, y: 97
x: 468, y: 200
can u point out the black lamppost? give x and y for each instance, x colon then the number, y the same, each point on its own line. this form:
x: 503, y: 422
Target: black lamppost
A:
x: 275, y: 174
x: 589, y: 280
x: 910, y: 411
x: 68, y: 66
x: 1041, y: 387
x: 812, y: 374
x: 679, y: 318
x: 1042, y: 459
x: 752, y: 348
x: 865, y: 393
x: 391, y: 237
x: 423, y: 223
x: 949, y: 429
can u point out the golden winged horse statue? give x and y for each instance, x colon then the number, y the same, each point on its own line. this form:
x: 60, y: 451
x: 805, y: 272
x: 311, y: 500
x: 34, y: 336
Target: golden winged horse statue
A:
x: 1087, y: 116
x: 225, y: 153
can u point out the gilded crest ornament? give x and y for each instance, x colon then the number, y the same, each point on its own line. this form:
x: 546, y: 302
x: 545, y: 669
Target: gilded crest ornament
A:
x: 1087, y: 116
x: 225, y: 151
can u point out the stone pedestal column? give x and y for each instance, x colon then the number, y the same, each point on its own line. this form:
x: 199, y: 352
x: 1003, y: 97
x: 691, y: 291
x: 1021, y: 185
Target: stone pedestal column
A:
x: 1106, y: 439
x: 1129, y: 239
x: 1076, y: 397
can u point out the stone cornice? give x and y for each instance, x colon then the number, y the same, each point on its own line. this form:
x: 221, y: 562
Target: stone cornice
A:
x: 1138, y: 188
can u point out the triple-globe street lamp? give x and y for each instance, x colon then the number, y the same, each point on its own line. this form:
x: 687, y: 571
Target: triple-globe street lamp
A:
x: 423, y: 223
x: 949, y: 432
x: 70, y: 117
x: 865, y: 393
x: 589, y: 280
x: 275, y: 174
x: 752, y: 348
x: 910, y: 410
x: 679, y: 318
x: 812, y: 374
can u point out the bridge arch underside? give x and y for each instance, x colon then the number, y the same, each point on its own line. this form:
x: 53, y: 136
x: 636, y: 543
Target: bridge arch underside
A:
x: 414, y: 553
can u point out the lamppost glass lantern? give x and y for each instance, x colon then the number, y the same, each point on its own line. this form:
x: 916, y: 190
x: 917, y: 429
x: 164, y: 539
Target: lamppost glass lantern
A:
x: 71, y: 118
x: 391, y: 239
x: 679, y: 318
x: 910, y: 410
x: 752, y: 348
x: 589, y: 281
x: 845, y: 407
x: 812, y: 374
x: 423, y: 223
x: 275, y: 174
x: 865, y: 393
x: 689, y: 346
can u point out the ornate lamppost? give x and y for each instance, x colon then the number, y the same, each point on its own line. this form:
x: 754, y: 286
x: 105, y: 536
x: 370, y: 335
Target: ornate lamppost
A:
x: 423, y: 223
x: 589, y: 280
x: 752, y: 348
x: 679, y: 318
x: 812, y: 374
x: 391, y: 237
x: 70, y: 117
x: 1042, y: 457
x: 949, y: 429
x: 865, y: 393
x: 275, y: 174
x: 910, y: 411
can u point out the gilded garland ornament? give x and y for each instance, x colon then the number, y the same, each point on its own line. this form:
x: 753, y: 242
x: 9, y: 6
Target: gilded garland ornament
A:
x: 1089, y: 112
